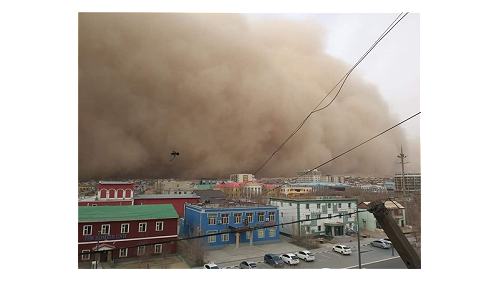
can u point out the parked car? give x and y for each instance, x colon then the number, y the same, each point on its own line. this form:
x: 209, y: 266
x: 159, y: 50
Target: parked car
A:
x: 387, y: 241
x: 211, y: 266
x: 342, y: 249
x: 380, y: 244
x: 305, y: 255
x: 248, y: 265
x: 290, y: 259
x: 273, y: 260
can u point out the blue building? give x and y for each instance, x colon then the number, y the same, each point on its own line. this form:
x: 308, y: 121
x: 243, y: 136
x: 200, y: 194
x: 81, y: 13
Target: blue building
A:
x: 213, y: 218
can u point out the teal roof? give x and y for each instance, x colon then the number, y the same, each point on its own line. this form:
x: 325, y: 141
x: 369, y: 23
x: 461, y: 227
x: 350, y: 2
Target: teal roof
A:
x: 204, y: 186
x: 124, y: 213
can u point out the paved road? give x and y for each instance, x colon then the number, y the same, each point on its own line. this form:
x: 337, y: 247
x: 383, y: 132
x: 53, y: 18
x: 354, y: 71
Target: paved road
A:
x: 396, y: 263
x: 326, y: 258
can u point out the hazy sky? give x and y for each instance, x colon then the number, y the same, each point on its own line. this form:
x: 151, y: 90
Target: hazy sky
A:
x: 219, y: 88
x: 393, y: 66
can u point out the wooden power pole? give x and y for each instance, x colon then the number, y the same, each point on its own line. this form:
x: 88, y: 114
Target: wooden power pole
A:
x: 397, y: 237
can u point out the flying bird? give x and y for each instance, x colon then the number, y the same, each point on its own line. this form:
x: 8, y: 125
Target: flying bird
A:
x: 174, y: 153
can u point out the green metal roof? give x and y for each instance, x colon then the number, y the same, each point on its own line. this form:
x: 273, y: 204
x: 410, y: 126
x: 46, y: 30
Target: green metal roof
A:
x: 124, y: 213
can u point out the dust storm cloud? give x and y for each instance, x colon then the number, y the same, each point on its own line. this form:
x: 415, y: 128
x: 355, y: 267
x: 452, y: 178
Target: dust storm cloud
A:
x: 224, y: 92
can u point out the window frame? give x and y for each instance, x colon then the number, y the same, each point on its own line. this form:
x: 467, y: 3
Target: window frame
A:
x: 339, y: 205
x: 85, y: 257
x: 272, y: 230
x: 139, y: 252
x: 162, y: 226
x: 262, y: 215
x: 318, y: 205
x: 160, y: 248
x: 349, y: 205
x: 225, y: 216
x: 145, y: 226
x: 85, y: 227
x: 127, y: 228
x: 238, y: 218
x: 261, y: 230
x: 108, y: 229
x: 225, y: 237
x: 213, y: 237
x: 307, y: 206
x: 249, y: 217
x: 271, y: 216
x: 126, y: 253
x: 212, y: 217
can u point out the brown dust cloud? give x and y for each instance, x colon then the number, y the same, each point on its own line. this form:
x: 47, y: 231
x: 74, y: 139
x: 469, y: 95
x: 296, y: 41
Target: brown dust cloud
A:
x: 225, y: 92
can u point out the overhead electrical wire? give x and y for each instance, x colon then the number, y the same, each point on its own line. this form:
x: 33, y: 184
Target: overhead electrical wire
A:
x: 344, y: 78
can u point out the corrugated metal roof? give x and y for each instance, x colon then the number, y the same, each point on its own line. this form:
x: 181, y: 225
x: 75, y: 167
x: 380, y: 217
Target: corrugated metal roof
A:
x: 125, y: 213
x: 204, y: 186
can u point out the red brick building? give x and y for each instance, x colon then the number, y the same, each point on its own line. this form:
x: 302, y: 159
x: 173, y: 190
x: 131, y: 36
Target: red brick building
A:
x: 121, y: 231
x: 115, y: 190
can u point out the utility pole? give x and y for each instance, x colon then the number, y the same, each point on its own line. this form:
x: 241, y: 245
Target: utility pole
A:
x: 358, y: 234
x: 402, y: 156
x: 397, y: 237
x: 97, y: 251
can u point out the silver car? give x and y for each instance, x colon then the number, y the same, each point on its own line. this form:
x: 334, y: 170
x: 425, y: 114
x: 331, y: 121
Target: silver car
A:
x: 248, y: 265
x: 380, y: 244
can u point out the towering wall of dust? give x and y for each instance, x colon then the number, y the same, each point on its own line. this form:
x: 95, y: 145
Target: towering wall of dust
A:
x: 223, y: 92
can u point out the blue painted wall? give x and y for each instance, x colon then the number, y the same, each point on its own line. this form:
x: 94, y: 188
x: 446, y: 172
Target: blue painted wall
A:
x: 196, y: 218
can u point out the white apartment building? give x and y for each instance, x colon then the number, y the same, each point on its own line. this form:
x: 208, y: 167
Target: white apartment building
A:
x: 312, y: 176
x: 334, y: 216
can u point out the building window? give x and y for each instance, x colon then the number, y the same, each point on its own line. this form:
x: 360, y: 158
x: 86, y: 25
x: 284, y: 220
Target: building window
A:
x: 158, y: 248
x: 237, y: 218
x: 307, y: 206
x: 249, y: 216
x: 272, y: 231
x: 225, y: 218
x: 307, y: 217
x: 125, y: 227
x: 123, y: 252
x: 349, y: 215
x: 307, y: 229
x: 339, y: 205
x: 329, y: 205
x: 142, y: 227
x: 281, y: 204
x: 318, y: 206
x: 213, y: 238
x: 319, y: 228
x: 105, y: 228
x: 225, y: 237
x: 271, y: 216
x: 261, y: 233
x: 248, y: 235
x: 141, y: 250
x: 282, y: 215
x: 318, y: 216
x: 159, y: 226
x: 85, y: 257
x: 349, y: 205
x: 261, y: 217
x: 290, y: 205
x: 87, y: 230
x: 329, y: 216
x: 212, y: 219
x: 94, y: 205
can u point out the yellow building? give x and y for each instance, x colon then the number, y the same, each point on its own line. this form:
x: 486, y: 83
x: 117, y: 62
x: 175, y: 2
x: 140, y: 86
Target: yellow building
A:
x: 287, y: 191
x: 85, y: 188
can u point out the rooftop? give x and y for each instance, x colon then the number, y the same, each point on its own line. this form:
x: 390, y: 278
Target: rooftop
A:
x: 164, y: 196
x: 125, y: 213
x: 115, y: 182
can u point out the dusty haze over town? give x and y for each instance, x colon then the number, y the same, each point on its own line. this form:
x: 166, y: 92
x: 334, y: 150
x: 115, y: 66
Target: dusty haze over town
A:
x: 225, y: 92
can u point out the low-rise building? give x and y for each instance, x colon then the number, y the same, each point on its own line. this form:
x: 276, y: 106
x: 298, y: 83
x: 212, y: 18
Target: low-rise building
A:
x: 241, y: 177
x: 176, y: 200
x: 328, y: 216
x: 369, y: 222
x: 223, y: 220
x: 294, y: 191
x: 121, y: 231
x: 115, y: 190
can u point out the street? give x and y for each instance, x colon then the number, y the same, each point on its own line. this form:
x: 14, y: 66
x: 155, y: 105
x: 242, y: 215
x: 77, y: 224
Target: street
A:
x: 325, y: 258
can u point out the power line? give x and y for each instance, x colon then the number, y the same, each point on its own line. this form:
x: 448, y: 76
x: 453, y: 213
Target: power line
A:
x: 344, y: 78
x: 346, y: 151
x: 220, y: 233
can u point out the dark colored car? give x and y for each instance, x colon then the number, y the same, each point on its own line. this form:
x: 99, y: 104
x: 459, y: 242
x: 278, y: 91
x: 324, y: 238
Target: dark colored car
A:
x: 273, y: 260
x: 248, y: 265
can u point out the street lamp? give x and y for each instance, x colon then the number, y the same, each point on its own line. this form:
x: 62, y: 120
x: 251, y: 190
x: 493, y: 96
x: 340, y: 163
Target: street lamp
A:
x: 97, y: 249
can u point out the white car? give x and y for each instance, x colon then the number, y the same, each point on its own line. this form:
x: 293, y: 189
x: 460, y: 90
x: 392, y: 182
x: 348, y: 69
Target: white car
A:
x: 305, y: 255
x: 387, y: 241
x: 342, y: 249
x: 290, y: 259
x: 211, y: 266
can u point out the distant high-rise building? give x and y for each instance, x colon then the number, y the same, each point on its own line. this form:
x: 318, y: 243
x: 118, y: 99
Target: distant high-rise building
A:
x: 308, y: 176
x: 412, y: 181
